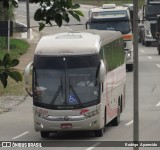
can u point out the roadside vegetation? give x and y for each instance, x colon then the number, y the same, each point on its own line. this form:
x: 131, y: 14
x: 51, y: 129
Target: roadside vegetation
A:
x: 18, y: 47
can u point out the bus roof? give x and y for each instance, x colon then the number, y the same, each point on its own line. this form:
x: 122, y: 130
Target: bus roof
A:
x: 100, y: 9
x: 75, y: 43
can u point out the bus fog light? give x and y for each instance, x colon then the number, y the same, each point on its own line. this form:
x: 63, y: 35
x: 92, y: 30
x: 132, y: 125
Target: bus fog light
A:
x: 40, y: 125
x: 93, y: 123
x: 128, y: 54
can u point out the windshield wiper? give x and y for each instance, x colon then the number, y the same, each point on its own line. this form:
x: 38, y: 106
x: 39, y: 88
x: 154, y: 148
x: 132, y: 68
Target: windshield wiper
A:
x: 60, y: 89
x: 75, y: 94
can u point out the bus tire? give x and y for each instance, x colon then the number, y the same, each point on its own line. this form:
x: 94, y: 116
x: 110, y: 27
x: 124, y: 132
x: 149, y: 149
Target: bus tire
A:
x: 44, y: 134
x: 116, y: 120
x: 129, y: 67
x: 100, y: 132
x: 121, y: 105
x: 147, y: 43
x: 158, y: 48
x: 139, y: 39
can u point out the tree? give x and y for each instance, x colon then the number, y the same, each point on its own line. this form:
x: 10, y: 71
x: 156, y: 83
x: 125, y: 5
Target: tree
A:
x: 6, y: 9
x: 7, y: 70
x: 56, y: 10
x: 6, y: 3
x: 50, y: 10
x: 7, y: 64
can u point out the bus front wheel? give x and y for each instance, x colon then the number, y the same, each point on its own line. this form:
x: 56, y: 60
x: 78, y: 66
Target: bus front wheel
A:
x: 99, y: 133
x: 44, y: 134
x: 129, y: 67
x: 158, y: 48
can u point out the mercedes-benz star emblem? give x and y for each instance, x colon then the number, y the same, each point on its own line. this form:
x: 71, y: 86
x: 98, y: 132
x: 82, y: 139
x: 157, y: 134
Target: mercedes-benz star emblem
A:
x: 66, y: 118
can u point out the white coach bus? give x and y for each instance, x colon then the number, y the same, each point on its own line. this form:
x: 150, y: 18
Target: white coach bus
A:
x: 78, y: 81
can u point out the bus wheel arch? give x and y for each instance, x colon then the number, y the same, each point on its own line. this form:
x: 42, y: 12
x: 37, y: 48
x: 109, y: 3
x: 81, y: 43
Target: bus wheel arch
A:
x: 100, y: 132
x: 116, y: 120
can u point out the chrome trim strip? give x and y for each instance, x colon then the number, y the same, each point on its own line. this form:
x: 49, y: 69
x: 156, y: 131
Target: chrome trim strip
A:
x: 64, y: 118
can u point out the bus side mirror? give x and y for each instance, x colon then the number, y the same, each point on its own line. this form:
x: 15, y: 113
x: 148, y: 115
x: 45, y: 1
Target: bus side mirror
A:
x: 26, y: 77
x: 102, y: 72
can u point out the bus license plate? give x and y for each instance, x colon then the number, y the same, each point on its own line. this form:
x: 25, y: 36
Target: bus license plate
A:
x: 66, y: 125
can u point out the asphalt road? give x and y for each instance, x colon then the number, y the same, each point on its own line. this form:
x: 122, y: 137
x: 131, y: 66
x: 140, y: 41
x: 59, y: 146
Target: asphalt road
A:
x: 17, y: 125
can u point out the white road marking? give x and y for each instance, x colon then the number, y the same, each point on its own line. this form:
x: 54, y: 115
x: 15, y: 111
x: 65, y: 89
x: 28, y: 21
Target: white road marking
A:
x: 129, y: 123
x: 142, y: 51
x: 68, y: 28
x: 149, y: 57
x: 158, y: 65
x: 18, y: 136
x: 22, y: 16
x: 93, y: 146
x: 158, y: 104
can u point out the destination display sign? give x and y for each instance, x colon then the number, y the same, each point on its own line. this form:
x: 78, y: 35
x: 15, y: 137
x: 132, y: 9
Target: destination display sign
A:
x: 109, y: 14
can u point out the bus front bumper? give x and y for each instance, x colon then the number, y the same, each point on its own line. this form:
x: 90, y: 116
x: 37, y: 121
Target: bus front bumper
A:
x: 92, y: 123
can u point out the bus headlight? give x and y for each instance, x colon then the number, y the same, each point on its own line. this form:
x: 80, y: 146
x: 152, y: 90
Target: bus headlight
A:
x: 40, y: 115
x: 91, y: 114
x: 148, y: 34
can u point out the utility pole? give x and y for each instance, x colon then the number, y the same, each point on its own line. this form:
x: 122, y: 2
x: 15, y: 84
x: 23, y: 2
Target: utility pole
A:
x: 8, y: 43
x: 8, y: 40
x: 28, y: 19
x: 135, y: 78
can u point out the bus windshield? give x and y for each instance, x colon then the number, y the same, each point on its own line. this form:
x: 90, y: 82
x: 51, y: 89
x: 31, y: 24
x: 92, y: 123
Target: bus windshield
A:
x: 66, y: 82
x: 116, y: 25
x: 152, y: 11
